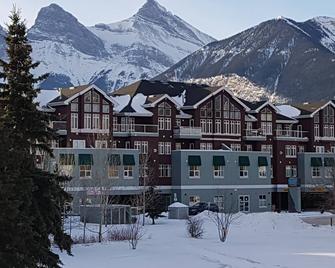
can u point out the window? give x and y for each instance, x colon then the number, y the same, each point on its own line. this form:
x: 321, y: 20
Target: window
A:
x: 244, y: 203
x: 291, y: 171
x: 100, y: 144
x: 206, y: 146
x: 167, y: 123
x: 96, y: 121
x: 235, y: 147
x: 80, y: 144
x: 203, y: 125
x: 290, y: 151
x: 74, y: 121
x: 332, y: 149
x: 142, y: 146
x: 178, y: 122
x: 328, y: 115
x: 194, y: 199
x: 87, y: 121
x: 164, y: 170
x: 217, y: 106
x: 164, y: 109
x: 85, y: 171
x: 113, y: 171
x: 262, y: 201
x: 87, y: 97
x: 301, y: 148
x: 161, y: 148
x: 266, y: 115
x: 87, y: 107
x: 249, y: 147
x: 194, y: 171
x: 74, y: 107
x: 218, y: 126
x: 161, y: 123
x: 320, y: 149
x: 105, y: 121
x: 219, y: 201
x: 66, y: 164
x: 178, y: 146
x: 105, y: 107
x: 115, y: 124
x: 317, y: 118
x: 243, y: 172
x: 266, y: 148
x: 127, y: 172
x: 329, y: 172
x: 316, y: 172
x: 266, y: 128
x: 95, y: 97
x: 218, y: 171
x: 316, y: 130
x: 167, y: 147
x: 262, y: 172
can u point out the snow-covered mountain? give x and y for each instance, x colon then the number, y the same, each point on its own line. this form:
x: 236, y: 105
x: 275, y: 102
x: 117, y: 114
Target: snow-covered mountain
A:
x: 294, y: 60
x: 110, y: 55
x: 241, y: 87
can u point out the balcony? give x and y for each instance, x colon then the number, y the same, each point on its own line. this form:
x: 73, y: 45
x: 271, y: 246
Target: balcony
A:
x: 187, y: 132
x: 59, y: 127
x: 291, y: 135
x: 121, y: 130
x: 325, y: 138
x: 254, y: 135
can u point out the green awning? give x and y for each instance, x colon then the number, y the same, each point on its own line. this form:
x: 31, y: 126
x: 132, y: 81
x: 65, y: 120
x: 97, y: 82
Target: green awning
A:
x: 128, y: 160
x: 218, y: 160
x: 262, y: 161
x: 316, y: 162
x: 85, y: 159
x: 114, y: 160
x: 66, y: 159
x: 243, y: 161
x: 329, y: 162
x: 194, y: 160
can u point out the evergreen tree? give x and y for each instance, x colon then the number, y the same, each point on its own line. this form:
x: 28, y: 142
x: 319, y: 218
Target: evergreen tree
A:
x: 31, y: 200
x: 155, y: 204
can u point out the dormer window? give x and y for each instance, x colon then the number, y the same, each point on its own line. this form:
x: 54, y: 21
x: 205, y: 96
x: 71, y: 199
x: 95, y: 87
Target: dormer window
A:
x: 266, y: 115
x: 164, y: 109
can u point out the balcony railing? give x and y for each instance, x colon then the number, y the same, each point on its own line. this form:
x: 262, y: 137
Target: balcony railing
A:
x: 182, y: 132
x: 254, y: 134
x: 59, y: 127
x: 123, y: 130
x: 282, y: 134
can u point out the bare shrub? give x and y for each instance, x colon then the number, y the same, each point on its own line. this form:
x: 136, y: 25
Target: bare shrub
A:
x: 135, y: 231
x: 118, y: 234
x: 194, y: 226
x: 89, y: 240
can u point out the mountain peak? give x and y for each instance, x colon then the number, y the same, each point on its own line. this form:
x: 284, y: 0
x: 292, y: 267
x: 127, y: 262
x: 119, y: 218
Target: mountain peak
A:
x: 150, y: 9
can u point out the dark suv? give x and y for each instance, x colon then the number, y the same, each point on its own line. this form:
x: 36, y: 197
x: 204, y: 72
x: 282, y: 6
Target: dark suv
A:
x: 202, y: 206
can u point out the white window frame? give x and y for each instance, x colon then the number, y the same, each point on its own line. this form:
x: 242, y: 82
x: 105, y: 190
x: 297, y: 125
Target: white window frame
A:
x: 128, y: 172
x: 87, y: 120
x: 105, y: 121
x: 262, y: 172
x: 244, y: 172
x: 85, y: 171
x: 74, y: 121
x: 262, y: 201
x: 96, y: 121
x: 290, y: 151
x: 316, y: 172
x: 218, y: 172
x: 193, y: 199
x: 194, y: 172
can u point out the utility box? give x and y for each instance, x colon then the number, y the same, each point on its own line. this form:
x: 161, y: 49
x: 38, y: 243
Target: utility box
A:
x: 178, y: 211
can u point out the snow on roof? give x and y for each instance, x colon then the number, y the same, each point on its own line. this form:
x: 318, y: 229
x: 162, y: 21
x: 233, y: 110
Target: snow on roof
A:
x: 45, y: 96
x: 288, y: 110
x: 177, y: 205
x: 137, y: 104
x: 122, y: 101
x: 180, y: 99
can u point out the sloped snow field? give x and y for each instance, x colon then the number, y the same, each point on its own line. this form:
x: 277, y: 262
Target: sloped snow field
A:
x: 255, y: 240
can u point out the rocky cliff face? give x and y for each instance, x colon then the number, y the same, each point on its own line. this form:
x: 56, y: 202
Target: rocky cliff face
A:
x: 291, y: 59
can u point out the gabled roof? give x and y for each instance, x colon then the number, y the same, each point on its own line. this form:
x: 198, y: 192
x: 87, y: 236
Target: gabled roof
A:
x: 310, y: 109
x: 68, y: 94
x: 258, y: 105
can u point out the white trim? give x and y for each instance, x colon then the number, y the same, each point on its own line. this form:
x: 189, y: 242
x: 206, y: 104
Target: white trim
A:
x: 267, y: 103
x: 293, y: 121
x: 317, y: 110
x: 165, y: 96
x: 67, y: 101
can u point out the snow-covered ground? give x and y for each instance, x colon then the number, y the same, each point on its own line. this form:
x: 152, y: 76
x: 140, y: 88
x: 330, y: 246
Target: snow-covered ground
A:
x: 255, y: 240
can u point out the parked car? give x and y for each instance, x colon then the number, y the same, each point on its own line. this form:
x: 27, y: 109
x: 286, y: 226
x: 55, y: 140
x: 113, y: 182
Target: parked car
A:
x: 202, y: 206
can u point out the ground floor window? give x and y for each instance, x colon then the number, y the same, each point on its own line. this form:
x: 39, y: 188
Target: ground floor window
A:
x: 218, y: 171
x: 194, y: 171
x: 113, y: 171
x: 85, y: 171
x: 164, y: 170
x: 291, y: 171
x: 244, y: 203
x: 128, y: 172
x: 329, y: 172
x: 194, y: 199
x: 243, y: 172
x: 262, y: 172
x: 316, y: 172
x: 262, y: 201
x: 219, y: 201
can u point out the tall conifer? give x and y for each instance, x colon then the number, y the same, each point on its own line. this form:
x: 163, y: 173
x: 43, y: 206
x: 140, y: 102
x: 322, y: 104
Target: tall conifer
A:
x: 30, y: 199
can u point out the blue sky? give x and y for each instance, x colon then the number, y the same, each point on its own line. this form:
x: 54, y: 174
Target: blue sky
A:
x: 219, y: 18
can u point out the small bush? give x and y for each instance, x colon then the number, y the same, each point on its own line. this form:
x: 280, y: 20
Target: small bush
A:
x: 89, y: 239
x: 119, y: 234
x: 195, y: 227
